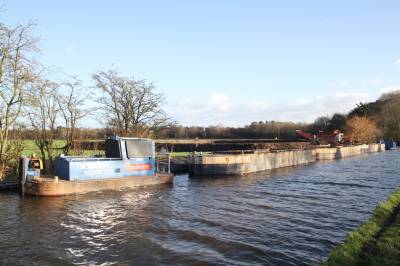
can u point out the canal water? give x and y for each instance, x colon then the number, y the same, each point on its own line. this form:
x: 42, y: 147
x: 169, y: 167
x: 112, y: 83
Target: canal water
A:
x: 293, y: 216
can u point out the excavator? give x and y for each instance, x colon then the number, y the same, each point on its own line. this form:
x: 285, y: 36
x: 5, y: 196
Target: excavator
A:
x: 333, y: 138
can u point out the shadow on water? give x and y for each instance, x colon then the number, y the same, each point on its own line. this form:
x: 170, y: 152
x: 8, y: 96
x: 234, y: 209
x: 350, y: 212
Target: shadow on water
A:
x: 246, y: 179
x: 288, y: 216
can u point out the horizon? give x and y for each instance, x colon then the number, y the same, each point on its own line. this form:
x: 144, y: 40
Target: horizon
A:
x: 227, y: 63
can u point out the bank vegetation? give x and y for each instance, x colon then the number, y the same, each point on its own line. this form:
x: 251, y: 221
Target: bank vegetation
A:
x: 375, y: 242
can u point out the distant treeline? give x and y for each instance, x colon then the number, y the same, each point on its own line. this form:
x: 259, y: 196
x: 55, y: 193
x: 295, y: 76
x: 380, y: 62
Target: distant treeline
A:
x: 261, y: 129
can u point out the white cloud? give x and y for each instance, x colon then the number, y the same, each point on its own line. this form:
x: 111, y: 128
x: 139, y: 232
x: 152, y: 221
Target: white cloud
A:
x: 220, y: 110
x: 218, y: 98
x: 219, y: 102
x: 397, y: 62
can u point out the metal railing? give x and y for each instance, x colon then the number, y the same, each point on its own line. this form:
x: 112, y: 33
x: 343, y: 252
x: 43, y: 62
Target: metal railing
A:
x: 163, y: 163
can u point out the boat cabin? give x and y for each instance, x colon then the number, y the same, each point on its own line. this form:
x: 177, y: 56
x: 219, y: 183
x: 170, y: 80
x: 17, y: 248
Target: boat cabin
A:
x: 124, y: 157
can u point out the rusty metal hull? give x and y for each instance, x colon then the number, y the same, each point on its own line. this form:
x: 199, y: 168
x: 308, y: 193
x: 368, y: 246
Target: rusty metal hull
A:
x: 48, y: 186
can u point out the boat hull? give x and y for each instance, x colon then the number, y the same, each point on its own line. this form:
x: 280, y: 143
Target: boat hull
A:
x: 49, y: 186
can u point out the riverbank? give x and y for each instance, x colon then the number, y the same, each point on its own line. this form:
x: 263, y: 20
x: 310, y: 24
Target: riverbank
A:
x: 376, y: 242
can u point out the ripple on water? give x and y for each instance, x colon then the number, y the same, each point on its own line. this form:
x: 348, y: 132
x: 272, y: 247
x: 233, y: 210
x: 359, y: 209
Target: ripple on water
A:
x: 290, y: 216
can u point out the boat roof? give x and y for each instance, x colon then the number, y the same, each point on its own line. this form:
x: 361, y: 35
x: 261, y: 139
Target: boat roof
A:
x: 128, y: 138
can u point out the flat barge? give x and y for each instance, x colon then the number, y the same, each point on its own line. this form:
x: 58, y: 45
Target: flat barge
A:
x: 262, y: 160
x: 129, y: 163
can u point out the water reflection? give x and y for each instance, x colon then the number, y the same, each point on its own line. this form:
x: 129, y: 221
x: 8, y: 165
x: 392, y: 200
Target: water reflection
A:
x: 289, y: 216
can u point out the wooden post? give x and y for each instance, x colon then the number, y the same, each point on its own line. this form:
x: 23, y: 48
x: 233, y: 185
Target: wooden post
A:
x: 169, y: 164
x: 21, y: 175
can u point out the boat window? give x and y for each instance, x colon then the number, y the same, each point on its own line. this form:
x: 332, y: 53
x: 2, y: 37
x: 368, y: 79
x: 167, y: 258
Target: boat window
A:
x: 112, y: 148
x: 139, y: 148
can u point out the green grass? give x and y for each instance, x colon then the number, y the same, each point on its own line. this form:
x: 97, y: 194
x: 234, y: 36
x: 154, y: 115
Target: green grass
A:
x: 183, y: 154
x: 386, y: 250
x: 376, y: 242
x: 180, y: 154
x: 30, y: 147
x: 89, y: 153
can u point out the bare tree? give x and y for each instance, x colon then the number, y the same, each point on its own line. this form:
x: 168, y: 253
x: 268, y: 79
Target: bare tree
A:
x: 72, y: 103
x: 130, y: 106
x: 16, y: 63
x: 43, y: 110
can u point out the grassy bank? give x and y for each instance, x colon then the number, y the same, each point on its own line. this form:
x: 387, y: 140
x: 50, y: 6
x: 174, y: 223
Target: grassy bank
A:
x: 30, y: 147
x: 376, y: 242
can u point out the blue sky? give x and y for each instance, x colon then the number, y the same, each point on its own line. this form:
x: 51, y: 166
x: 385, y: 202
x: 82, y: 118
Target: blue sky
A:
x: 228, y: 62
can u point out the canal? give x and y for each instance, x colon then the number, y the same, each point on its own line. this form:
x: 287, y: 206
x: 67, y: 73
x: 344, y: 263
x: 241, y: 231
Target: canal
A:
x: 292, y: 216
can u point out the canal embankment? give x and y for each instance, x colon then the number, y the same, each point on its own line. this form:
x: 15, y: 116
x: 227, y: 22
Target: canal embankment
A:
x: 376, y: 242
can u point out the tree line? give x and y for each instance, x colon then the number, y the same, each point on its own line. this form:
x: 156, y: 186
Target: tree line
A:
x: 367, y: 122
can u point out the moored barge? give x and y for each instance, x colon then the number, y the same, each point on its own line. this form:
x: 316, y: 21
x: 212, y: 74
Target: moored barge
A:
x: 129, y: 162
x: 261, y: 160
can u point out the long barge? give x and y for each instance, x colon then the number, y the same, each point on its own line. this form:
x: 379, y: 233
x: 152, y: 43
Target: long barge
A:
x: 262, y: 160
x: 129, y: 162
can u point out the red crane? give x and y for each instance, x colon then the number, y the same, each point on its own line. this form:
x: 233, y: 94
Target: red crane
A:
x: 332, y: 137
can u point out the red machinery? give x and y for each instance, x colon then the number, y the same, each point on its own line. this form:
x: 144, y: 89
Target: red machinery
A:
x: 333, y: 137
